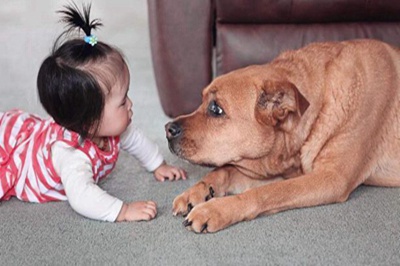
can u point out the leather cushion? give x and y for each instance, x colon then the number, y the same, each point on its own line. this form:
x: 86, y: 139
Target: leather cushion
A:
x: 306, y: 11
x: 245, y: 44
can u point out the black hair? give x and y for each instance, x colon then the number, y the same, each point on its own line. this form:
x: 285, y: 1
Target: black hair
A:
x: 68, y: 83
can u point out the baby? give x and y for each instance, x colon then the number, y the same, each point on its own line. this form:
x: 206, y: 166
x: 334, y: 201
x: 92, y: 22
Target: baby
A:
x: 83, y: 86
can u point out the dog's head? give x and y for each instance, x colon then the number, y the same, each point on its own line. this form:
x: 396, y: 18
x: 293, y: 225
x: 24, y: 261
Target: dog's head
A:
x: 240, y: 115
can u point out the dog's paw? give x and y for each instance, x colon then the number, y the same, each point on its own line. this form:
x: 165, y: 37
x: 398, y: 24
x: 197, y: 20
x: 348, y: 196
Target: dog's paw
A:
x: 211, y: 216
x: 195, y: 195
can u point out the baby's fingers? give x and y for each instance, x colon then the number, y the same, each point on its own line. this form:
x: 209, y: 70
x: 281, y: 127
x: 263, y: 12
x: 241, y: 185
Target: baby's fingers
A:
x: 177, y: 174
x: 141, y: 211
x: 183, y: 174
x: 148, y: 211
x: 169, y: 175
x: 149, y: 214
x: 151, y: 205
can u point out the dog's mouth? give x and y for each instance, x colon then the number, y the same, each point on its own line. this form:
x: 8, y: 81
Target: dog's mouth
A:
x: 175, y: 147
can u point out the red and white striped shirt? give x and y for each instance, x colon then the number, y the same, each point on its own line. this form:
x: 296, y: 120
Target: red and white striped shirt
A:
x: 26, y: 168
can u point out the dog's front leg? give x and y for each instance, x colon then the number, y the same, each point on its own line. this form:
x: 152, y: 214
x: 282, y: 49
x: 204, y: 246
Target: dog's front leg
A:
x: 218, y: 183
x: 308, y: 190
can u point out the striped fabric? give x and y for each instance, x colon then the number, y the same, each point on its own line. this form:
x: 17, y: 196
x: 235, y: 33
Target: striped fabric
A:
x: 26, y: 169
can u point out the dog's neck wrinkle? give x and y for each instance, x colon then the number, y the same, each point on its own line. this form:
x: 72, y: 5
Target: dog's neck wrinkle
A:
x: 285, y: 152
x: 289, y: 131
x: 278, y: 162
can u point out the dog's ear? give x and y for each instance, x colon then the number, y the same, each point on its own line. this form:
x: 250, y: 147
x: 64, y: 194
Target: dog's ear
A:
x: 278, y: 100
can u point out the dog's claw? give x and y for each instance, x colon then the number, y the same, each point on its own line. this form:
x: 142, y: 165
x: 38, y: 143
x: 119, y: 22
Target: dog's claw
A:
x: 211, y: 195
x: 190, y: 207
x: 187, y: 223
x: 212, y: 192
x: 204, y: 227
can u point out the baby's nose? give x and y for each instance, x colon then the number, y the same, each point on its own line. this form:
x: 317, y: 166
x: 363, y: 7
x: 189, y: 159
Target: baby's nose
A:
x: 130, y: 104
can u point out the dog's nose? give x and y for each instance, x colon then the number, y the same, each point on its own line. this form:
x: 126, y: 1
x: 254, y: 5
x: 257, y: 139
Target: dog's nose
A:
x: 172, y: 130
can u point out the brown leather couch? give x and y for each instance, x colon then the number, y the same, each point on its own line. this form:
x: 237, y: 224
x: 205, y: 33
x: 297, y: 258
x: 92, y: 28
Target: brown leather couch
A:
x: 192, y: 41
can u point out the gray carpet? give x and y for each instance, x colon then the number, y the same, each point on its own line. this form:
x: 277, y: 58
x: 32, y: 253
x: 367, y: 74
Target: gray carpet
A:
x: 363, y: 231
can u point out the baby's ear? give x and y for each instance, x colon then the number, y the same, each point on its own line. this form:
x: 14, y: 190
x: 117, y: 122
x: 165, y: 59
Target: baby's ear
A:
x: 277, y: 100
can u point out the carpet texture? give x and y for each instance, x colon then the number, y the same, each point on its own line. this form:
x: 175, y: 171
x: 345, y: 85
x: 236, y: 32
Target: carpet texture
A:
x: 365, y: 230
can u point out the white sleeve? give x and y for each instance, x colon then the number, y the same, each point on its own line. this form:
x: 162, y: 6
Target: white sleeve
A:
x: 138, y: 145
x: 85, y: 197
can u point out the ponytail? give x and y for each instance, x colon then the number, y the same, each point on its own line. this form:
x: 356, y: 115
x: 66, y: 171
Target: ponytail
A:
x: 75, y: 19
x: 78, y: 20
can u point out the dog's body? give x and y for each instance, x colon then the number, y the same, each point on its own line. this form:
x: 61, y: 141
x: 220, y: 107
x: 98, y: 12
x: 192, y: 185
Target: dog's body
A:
x: 304, y: 130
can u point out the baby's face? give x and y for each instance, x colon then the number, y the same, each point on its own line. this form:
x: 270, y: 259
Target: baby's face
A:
x: 117, y: 113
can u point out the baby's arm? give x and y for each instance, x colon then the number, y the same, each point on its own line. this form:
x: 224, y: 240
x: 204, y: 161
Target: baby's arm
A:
x: 139, y: 146
x: 88, y: 199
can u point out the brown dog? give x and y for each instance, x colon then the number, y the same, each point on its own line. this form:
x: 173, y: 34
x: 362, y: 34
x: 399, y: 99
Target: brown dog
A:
x: 303, y: 130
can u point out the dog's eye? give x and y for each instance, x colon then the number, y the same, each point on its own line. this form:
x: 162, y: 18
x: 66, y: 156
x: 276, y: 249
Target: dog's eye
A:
x: 214, y: 109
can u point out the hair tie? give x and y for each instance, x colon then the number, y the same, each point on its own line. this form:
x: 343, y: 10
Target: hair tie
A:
x: 92, y: 40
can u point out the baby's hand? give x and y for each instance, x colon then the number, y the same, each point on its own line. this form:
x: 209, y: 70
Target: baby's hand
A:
x: 171, y: 173
x: 137, y: 211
